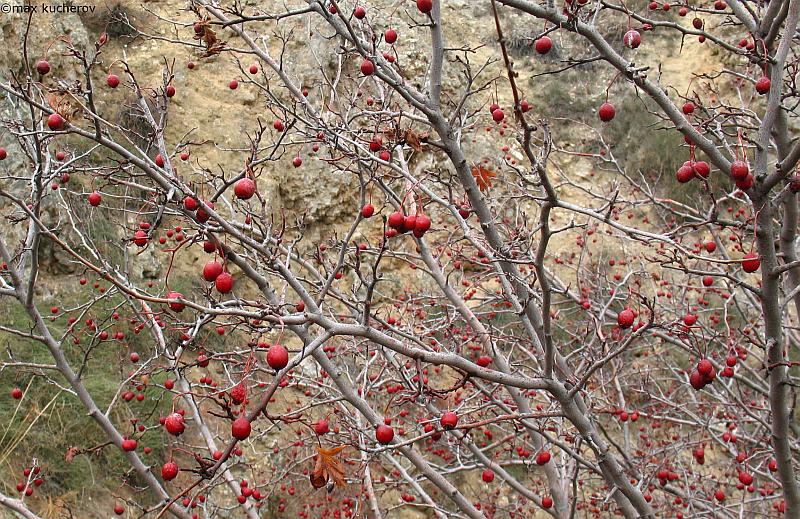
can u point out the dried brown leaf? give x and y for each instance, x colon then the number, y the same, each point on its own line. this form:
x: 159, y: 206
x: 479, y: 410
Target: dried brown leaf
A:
x: 328, y: 466
x: 483, y: 176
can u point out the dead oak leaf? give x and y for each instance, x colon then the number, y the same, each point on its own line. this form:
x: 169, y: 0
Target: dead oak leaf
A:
x: 328, y: 466
x: 483, y: 176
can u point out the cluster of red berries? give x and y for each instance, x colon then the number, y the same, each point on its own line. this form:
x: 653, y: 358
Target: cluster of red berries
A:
x: 703, y: 374
x: 192, y: 205
x: 214, y: 272
x: 418, y: 225
x: 25, y: 487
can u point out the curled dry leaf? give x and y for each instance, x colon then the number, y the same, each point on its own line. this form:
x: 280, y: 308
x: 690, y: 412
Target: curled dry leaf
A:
x: 483, y: 176
x: 328, y: 466
x: 206, y: 34
x: 71, y: 453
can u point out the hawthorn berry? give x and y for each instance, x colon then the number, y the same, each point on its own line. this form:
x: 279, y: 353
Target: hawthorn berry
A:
x: 448, y: 420
x: 606, y: 112
x: 543, y: 45
x: 277, y: 357
x: 240, y: 428
x: 384, y: 434
x: 169, y: 471
x: 625, y: 318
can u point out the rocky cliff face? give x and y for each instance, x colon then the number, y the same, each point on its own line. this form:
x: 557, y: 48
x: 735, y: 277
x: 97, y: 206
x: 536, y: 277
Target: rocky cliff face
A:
x: 219, y: 119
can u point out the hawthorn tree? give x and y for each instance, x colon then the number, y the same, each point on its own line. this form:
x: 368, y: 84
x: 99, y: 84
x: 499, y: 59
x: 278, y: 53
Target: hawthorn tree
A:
x: 490, y: 335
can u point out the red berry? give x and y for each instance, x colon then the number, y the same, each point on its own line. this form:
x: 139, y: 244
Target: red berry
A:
x: 140, y: 238
x: 498, y: 115
x: 176, y: 306
x: 240, y: 429
x: 277, y: 357
x: 409, y: 223
x: 704, y: 367
x: 745, y: 478
x: 224, y: 283
x: 390, y: 36
x: 425, y: 6
x: 112, y: 80
x: 483, y: 361
x: 55, y: 121
x: 169, y: 471
x: 170, y: 90
x: 543, y: 457
x: 129, y: 445
x: 632, y: 39
x: 684, y: 174
x: 3, y: 154
x: 244, y: 188
x: 42, y: 67
x: 701, y: 168
x: 750, y: 262
x: 254, y: 69
x: 543, y: 45
x: 688, y: 108
x: 119, y: 510
x: 739, y: 170
x: 16, y: 393
x: 487, y: 476
x: 794, y: 182
x: 368, y: 210
x: 697, y: 380
x: 233, y: 85
x: 174, y: 424
x: 239, y: 393
x: 297, y: 162
x: 95, y: 199
x: 625, y: 318
x: 449, y: 420
x: 746, y: 183
x: 367, y: 67
x: 384, y: 434
x: 190, y: 204
x: 763, y: 85
x: 360, y: 12
x: 212, y: 270
x: 547, y: 502
x: 606, y: 112
x: 321, y: 427
x: 396, y: 220
x: 422, y: 224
